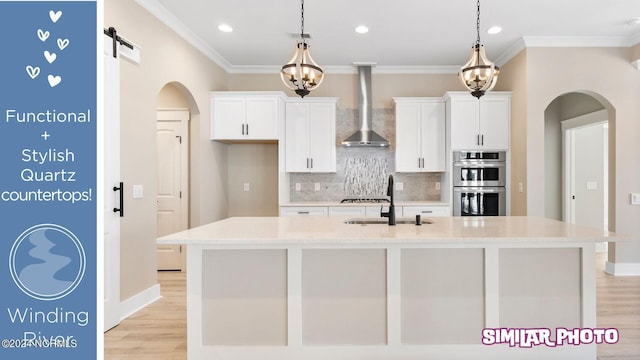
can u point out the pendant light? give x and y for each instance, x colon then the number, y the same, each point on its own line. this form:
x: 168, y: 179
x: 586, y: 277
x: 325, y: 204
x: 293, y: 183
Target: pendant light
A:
x: 478, y: 75
x: 301, y: 73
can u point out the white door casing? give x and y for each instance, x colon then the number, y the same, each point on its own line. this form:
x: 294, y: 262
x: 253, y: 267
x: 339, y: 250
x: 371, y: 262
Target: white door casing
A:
x: 172, y: 197
x: 111, y: 173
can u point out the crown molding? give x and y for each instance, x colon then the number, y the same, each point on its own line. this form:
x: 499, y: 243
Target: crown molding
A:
x: 166, y: 17
x: 634, y: 39
x: 576, y: 41
x: 511, y: 52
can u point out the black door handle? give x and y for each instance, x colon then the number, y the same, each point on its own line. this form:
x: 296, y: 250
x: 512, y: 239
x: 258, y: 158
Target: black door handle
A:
x: 121, y: 208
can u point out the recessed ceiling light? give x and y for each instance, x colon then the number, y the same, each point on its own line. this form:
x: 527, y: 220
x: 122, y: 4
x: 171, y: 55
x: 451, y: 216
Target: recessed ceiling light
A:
x: 361, y: 29
x: 225, y: 28
x: 494, y: 30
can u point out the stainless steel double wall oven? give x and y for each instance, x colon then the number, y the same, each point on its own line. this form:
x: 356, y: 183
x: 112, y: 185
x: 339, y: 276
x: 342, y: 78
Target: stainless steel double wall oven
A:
x: 479, y: 180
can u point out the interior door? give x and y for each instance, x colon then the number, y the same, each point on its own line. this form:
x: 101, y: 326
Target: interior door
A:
x: 111, y: 172
x: 172, y: 179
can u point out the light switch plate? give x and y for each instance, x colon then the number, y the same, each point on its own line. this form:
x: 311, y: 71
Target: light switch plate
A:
x: 635, y: 199
x: 437, y: 185
x: 246, y: 187
x: 400, y: 186
x: 316, y: 186
x: 592, y: 185
x: 298, y: 187
x: 138, y: 191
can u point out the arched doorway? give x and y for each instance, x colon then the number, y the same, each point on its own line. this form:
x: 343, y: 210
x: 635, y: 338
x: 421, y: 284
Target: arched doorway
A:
x: 578, y: 152
x: 174, y: 111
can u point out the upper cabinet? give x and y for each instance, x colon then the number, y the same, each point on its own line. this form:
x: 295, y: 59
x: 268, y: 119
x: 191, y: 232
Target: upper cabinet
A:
x: 420, y: 134
x: 479, y: 124
x: 310, y: 135
x: 246, y: 115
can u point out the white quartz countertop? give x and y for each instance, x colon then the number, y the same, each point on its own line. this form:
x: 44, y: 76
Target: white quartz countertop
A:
x: 338, y: 203
x: 292, y: 230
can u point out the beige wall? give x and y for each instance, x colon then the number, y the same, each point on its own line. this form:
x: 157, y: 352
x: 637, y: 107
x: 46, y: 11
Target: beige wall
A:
x: 165, y: 58
x: 257, y: 165
x: 635, y: 53
x: 514, y: 77
x: 562, y: 70
x: 170, y: 97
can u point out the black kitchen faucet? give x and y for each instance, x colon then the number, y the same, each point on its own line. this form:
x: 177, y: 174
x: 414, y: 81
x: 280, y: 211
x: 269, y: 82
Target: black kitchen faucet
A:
x: 391, y: 214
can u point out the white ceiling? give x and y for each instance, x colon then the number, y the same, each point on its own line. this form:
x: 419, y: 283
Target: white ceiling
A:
x: 426, y: 35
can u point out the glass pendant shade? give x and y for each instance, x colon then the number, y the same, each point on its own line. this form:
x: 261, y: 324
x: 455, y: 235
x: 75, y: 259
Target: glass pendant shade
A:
x: 301, y: 73
x: 479, y: 75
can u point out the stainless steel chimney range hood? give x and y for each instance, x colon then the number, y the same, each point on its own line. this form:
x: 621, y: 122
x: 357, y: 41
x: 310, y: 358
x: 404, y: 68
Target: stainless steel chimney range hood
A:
x: 365, y: 136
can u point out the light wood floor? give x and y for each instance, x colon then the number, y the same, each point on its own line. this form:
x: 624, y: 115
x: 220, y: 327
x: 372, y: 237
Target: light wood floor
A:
x: 159, y: 331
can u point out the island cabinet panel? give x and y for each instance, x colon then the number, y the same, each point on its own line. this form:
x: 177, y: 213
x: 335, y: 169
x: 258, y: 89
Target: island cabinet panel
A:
x: 244, y: 297
x: 538, y: 288
x: 344, y: 296
x: 442, y: 296
x: 313, y: 287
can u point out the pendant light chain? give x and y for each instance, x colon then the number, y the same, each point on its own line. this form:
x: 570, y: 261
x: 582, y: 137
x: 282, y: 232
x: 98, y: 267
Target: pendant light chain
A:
x: 302, y: 19
x: 478, y: 22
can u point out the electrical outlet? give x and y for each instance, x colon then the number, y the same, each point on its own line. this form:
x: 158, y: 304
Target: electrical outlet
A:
x: 298, y: 187
x: 316, y: 186
x: 400, y: 186
x: 635, y: 199
x: 246, y: 187
x: 437, y: 185
x: 137, y: 191
x: 521, y: 187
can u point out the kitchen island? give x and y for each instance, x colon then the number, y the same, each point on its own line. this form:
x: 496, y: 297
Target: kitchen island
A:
x: 295, y: 288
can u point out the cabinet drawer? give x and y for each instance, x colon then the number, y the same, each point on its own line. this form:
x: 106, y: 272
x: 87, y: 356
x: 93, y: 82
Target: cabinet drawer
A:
x: 433, y: 211
x: 358, y: 211
x: 304, y: 210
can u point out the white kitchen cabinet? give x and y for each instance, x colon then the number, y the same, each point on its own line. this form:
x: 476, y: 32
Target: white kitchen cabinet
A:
x: 420, y: 134
x: 479, y: 124
x: 310, y: 135
x: 355, y: 211
x: 426, y: 211
x: 304, y: 210
x: 246, y: 115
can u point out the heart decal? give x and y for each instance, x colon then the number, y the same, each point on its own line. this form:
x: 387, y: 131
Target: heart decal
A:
x: 43, y: 35
x: 55, y: 15
x: 54, y: 80
x: 63, y: 43
x: 51, y: 57
x: 33, y: 72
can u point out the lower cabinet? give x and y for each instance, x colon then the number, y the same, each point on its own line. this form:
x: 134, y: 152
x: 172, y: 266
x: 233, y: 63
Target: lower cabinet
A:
x: 426, y: 211
x: 303, y: 210
x: 367, y: 211
x: 356, y: 211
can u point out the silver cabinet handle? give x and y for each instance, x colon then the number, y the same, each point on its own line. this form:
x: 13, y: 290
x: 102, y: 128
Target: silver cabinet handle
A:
x: 418, y: 163
x: 242, y: 129
x: 311, y: 163
x: 482, y: 139
x: 427, y: 211
x: 478, y: 139
x: 303, y: 213
x: 247, y: 129
x: 307, y: 163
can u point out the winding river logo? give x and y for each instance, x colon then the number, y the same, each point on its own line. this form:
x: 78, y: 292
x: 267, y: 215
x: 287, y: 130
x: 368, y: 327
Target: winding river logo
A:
x: 47, y: 262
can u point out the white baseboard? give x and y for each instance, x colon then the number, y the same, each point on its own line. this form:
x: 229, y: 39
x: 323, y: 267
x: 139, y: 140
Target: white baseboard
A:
x: 622, y: 269
x: 139, y: 301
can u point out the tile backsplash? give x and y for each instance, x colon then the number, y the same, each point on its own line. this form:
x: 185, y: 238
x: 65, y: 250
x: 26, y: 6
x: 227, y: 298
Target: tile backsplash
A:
x: 363, y: 172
